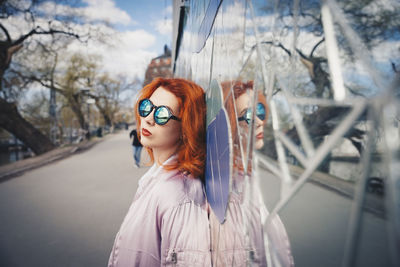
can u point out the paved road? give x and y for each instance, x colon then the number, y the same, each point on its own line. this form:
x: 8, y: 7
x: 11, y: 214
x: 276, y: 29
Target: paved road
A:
x: 317, y: 221
x: 67, y: 213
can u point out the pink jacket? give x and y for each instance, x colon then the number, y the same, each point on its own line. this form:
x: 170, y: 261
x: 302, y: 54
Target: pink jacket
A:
x: 167, y: 223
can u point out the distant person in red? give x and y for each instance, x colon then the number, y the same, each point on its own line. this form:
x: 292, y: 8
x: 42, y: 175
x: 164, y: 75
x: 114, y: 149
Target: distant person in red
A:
x: 137, y: 147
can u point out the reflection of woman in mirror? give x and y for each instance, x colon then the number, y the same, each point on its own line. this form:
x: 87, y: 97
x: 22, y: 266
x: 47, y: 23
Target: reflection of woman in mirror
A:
x: 167, y: 222
x: 243, y: 95
x: 240, y: 239
x: 245, y: 116
x: 238, y: 97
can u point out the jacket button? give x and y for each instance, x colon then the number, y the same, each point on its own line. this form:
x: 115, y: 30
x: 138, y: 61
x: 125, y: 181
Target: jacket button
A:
x: 174, y: 258
x: 252, y: 256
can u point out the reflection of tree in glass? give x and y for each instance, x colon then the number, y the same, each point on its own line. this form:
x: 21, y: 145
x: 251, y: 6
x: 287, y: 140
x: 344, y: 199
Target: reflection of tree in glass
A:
x: 376, y: 22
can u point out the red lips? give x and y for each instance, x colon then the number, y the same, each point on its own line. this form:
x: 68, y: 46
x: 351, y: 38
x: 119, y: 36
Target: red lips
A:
x: 146, y: 132
x: 260, y: 136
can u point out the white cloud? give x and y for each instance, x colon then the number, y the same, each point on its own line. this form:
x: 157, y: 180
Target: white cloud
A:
x: 52, y: 8
x: 125, y: 53
x: 167, y: 11
x: 164, y: 26
x: 96, y: 10
x: 106, y: 10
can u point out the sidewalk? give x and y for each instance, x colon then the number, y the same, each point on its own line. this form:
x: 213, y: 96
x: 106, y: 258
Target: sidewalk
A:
x: 17, y: 168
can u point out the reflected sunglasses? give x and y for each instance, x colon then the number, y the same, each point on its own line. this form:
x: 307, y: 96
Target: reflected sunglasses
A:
x: 260, y: 112
x: 162, y: 114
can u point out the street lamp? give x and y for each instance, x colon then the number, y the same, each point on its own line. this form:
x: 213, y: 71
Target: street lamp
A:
x: 53, y: 116
x: 89, y: 100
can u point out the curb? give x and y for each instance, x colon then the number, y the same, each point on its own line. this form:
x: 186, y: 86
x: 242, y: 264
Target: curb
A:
x: 18, y: 168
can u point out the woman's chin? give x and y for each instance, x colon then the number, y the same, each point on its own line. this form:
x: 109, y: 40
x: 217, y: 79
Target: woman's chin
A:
x: 259, y: 144
x: 145, y: 142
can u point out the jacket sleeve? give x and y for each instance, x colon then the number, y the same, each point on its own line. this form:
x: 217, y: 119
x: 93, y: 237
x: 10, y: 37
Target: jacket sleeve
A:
x: 185, y: 236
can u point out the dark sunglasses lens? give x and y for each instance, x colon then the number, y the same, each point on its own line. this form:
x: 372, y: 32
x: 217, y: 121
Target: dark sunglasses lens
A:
x: 161, y: 115
x: 261, y: 111
x: 145, y: 107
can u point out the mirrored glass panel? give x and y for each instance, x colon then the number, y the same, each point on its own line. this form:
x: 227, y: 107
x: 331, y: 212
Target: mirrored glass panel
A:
x: 307, y: 96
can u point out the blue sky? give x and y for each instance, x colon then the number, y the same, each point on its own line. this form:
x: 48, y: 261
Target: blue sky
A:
x: 129, y: 33
x: 146, y: 15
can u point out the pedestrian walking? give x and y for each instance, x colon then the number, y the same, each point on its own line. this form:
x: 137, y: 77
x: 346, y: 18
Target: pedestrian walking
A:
x: 167, y: 223
x: 136, y: 146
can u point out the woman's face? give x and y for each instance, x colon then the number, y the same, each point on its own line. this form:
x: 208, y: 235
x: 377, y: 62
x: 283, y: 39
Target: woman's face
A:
x: 242, y: 104
x: 161, y: 136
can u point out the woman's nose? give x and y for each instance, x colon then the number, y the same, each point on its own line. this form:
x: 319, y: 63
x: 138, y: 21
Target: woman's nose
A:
x: 258, y: 122
x: 150, y: 118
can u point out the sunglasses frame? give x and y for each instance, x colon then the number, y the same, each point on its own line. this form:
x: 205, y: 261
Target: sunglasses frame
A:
x: 243, y: 117
x: 170, y: 114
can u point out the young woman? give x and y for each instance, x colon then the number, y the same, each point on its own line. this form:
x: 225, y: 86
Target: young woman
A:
x: 167, y: 222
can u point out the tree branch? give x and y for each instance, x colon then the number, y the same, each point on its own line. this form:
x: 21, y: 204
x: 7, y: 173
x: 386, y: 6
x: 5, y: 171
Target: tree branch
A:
x: 394, y: 67
x: 315, y: 46
x: 39, y: 30
x: 277, y: 45
x: 33, y: 78
x: 5, y: 32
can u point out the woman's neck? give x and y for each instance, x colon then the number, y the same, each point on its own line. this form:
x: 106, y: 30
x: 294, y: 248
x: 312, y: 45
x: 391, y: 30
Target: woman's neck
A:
x: 162, y: 154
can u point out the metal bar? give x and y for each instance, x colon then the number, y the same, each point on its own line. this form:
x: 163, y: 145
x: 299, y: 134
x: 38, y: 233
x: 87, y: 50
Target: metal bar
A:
x: 292, y: 148
x: 353, y: 231
x: 332, y: 52
x: 322, y: 102
x: 258, y: 42
x: 356, y: 44
x: 392, y: 184
x: 297, y: 119
x: 320, y: 154
x: 270, y: 166
x: 286, y: 177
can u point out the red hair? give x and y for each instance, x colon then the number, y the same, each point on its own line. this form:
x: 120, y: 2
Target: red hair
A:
x: 192, y: 112
x: 238, y: 88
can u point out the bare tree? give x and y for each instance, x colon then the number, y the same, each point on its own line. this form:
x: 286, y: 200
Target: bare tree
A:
x: 10, y: 118
x: 82, y: 79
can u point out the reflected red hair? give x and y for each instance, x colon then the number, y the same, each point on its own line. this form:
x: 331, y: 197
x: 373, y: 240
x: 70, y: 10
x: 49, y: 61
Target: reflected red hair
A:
x: 192, y: 112
x: 239, y: 88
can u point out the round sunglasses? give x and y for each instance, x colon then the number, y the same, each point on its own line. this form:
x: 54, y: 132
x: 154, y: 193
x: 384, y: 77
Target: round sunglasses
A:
x: 260, y: 112
x: 162, y: 114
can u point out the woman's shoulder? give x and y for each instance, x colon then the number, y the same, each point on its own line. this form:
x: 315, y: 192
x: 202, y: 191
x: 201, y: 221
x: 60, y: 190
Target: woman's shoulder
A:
x: 177, y: 188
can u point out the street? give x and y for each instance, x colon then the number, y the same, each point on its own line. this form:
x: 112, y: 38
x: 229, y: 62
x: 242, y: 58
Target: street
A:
x: 317, y: 220
x: 68, y: 213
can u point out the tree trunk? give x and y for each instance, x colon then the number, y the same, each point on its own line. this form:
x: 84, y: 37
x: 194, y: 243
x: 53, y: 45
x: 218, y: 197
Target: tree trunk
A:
x: 13, y: 122
x: 107, y: 119
x: 103, y: 111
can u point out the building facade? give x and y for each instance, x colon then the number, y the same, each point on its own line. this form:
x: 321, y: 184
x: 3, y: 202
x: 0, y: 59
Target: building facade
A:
x: 159, y: 67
